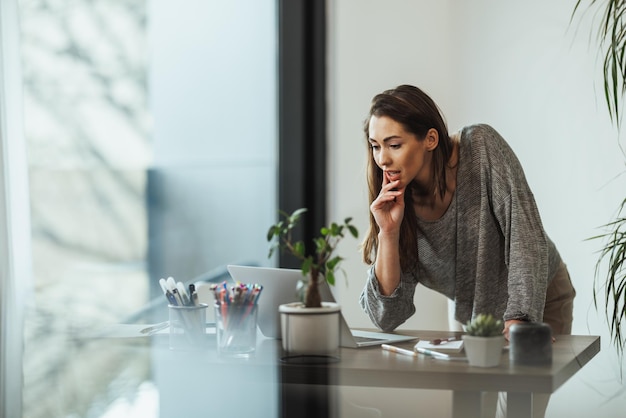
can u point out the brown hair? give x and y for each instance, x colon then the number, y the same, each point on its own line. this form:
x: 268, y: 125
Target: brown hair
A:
x: 417, y: 113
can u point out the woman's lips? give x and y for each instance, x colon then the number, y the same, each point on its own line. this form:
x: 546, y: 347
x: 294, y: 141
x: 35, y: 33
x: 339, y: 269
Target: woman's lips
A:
x: 393, y: 175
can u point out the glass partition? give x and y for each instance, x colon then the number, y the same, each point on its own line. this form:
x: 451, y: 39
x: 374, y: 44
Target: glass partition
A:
x: 151, y: 139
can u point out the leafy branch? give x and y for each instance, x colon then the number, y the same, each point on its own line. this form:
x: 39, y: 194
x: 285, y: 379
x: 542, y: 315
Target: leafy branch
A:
x: 612, y: 33
x: 614, y: 288
x: 321, y: 263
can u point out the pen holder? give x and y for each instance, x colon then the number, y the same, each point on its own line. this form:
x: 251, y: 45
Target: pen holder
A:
x: 236, y: 329
x: 187, y: 326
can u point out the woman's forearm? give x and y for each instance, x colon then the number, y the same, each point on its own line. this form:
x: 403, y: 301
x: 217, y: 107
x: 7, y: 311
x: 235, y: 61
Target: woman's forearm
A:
x: 388, y: 263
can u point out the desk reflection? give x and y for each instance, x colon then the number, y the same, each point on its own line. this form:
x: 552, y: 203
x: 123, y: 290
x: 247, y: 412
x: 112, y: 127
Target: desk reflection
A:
x: 200, y: 383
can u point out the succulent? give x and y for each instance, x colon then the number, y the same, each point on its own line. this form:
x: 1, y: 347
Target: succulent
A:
x: 484, y: 325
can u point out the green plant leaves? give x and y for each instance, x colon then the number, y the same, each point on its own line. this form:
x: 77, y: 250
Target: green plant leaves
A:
x: 322, y: 261
x: 306, y: 265
x: 612, y: 284
x: 484, y: 325
x: 330, y: 277
x: 298, y: 249
x: 612, y: 34
x: 333, y: 263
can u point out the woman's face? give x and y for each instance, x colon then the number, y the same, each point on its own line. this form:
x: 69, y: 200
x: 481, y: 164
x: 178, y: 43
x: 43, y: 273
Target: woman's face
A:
x: 400, y: 154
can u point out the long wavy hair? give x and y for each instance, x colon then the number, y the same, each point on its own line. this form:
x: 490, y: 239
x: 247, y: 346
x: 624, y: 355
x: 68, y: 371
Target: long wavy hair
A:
x: 417, y: 113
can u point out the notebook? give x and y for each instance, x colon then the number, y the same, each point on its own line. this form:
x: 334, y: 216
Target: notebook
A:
x: 279, y: 287
x: 450, y: 346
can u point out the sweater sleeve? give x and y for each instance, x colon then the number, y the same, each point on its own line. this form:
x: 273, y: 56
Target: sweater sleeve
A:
x: 388, y: 312
x: 525, y: 242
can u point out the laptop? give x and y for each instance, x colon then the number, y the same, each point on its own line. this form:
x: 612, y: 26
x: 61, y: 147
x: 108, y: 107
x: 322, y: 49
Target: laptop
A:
x: 279, y: 287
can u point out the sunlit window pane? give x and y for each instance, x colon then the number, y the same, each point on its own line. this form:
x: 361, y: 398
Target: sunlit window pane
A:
x: 151, y: 139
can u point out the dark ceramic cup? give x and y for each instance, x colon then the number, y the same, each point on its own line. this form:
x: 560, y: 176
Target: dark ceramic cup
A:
x: 530, y: 344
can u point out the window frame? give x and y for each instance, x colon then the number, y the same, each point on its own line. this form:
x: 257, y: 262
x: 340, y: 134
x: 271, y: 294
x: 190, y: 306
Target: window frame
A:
x: 302, y: 115
x: 15, y: 242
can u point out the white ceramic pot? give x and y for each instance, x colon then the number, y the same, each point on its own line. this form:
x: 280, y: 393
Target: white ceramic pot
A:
x: 310, y: 331
x: 483, y: 351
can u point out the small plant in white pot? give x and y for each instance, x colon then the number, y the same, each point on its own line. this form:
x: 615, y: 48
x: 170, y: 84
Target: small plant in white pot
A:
x: 483, y: 341
x: 310, y: 328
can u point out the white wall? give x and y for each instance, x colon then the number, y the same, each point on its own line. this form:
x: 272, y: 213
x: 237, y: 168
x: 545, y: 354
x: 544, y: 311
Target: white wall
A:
x: 524, y: 69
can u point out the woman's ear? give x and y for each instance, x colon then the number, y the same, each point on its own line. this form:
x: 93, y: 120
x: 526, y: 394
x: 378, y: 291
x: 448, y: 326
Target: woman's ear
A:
x: 432, y: 139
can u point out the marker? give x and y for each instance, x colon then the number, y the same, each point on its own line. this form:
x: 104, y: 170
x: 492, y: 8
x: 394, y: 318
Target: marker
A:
x: 163, y: 285
x: 171, y: 298
x: 193, y: 295
x: 179, y: 300
x: 398, y: 350
x: 182, y: 293
x: 432, y: 353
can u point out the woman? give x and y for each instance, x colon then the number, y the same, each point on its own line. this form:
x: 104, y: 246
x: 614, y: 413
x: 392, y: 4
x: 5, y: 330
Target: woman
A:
x: 455, y: 213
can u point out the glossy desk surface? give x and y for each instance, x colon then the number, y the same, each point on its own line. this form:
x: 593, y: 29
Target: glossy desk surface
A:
x: 188, y: 381
x: 376, y: 367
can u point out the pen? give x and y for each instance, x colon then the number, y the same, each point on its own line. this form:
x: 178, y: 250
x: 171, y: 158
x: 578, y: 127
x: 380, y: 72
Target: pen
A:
x: 432, y: 353
x: 155, y: 328
x: 439, y: 341
x: 398, y: 350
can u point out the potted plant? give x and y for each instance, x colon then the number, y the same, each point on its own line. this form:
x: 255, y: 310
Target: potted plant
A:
x: 611, y: 31
x: 483, y: 341
x: 310, y: 327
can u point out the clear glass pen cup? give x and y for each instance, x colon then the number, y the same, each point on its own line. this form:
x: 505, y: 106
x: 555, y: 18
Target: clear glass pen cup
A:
x: 236, y: 327
x: 187, y: 326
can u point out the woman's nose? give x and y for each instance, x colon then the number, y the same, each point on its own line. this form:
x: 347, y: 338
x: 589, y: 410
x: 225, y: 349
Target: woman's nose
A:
x: 383, y: 158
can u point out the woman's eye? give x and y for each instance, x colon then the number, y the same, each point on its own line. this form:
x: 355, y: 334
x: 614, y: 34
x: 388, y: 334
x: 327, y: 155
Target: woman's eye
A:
x: 394, y: 146
x: 374, y: 147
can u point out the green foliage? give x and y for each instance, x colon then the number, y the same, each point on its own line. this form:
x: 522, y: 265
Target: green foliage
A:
x: 321, y: 262
x: 484, y: 325
x: 614, y: 287
x: 612, y: 35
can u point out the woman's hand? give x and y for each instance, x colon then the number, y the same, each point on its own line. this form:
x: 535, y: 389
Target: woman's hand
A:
x: 509, y: 323
x: 388, y: 207
x: 507, y: 326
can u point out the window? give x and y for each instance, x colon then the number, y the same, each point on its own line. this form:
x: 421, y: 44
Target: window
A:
x: 151, y: 131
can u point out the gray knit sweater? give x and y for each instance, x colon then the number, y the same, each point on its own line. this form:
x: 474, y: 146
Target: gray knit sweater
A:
x: 504, y: 259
